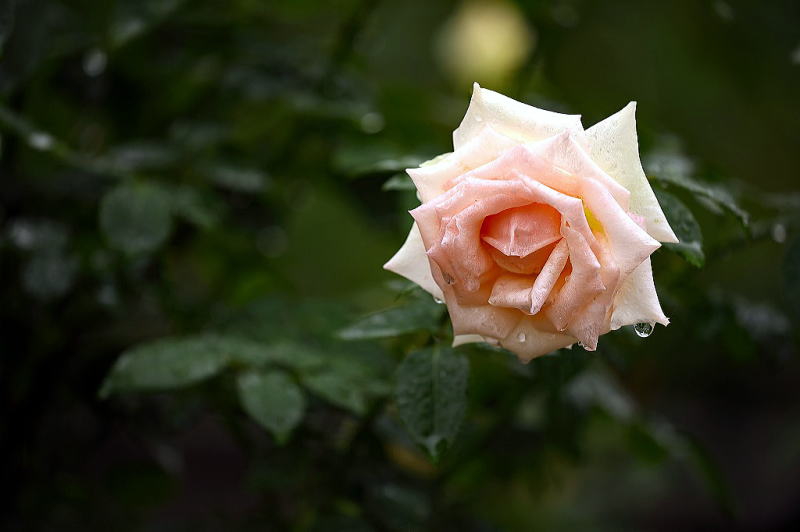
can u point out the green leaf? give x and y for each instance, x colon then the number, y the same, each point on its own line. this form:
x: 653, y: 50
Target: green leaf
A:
x: 166, y: 364
x: 362, y: 160
x: 134, y: 18
x: 199, y: 209
x: 140, y: 155
x: 713, y: 196
x: 346, y: 382
x: 399, y: 182
x: 686, y: 229
x: 421, y: 313
x: 136, y: 217
x: 237, y: 178
x: 181, y: 361
x: 711, y: 474
x: 657, y: 439
x: 284, y: 353
x: 273, y: 400
x: 431, y: 396
x: 599, y: 389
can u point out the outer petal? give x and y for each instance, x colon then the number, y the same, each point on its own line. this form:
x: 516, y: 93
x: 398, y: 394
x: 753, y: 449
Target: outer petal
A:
x: 461, y: 339
x: 566, y: 153
x: 511, y: 118
x: 637, y: 300
x: 411, y: 262
x: 614, y: 146
x: 484, y: 320
x: 486, y: 146
x: 528, y: 342
x: 630, y: 244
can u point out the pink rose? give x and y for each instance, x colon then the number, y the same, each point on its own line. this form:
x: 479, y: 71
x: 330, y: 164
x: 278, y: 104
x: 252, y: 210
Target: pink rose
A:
x: 535, y: 232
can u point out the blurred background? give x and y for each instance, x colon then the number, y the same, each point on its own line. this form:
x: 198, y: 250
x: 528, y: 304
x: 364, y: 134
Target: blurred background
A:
x: 176, y: 169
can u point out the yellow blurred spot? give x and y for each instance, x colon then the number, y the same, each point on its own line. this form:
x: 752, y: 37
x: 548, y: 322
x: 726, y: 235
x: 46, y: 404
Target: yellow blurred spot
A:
x: 485, y: 41
x: 410, y: 460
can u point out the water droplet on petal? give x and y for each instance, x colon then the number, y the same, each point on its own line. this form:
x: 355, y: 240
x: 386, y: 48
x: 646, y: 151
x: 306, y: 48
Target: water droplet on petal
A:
x: 439, y: 301
x: 643, y: 329
x: 522, y: 337
x: 478, y: 119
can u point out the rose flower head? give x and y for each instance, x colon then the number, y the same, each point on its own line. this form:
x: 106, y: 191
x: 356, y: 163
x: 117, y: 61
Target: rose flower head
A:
x: 535, y: 232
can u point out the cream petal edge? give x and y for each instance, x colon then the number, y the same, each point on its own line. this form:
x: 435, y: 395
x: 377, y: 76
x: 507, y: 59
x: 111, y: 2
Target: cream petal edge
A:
x: 511, y: 118
x: 461, y: 339
x: 637, y: 300
x: 411, y: 262
x: 614, y: 146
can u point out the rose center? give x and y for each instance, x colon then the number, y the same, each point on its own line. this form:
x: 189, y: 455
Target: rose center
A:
x: 522, y: 238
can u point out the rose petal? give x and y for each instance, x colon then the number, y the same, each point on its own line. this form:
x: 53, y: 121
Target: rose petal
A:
x: 527, y: 265
x: 531, y: 159
x: 613, y: 144
x: 565, y: 153
x: 520, y: 231
x: 485, y: 320
x: 511, y: 118
x: 411, y: 262
x: 529, y: 342
x: 451, y: 223
x: 592, y: 321
x: 546, y: 280
x: 486, y: 146
x: 548, y: 184
x: 637, y: 301
x: 512, y: 291
x: 582, y: 285
x: 629, y: 243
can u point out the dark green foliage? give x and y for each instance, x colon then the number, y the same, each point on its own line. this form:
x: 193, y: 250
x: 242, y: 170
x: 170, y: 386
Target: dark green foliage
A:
x: 431, y: 396
x: 196, y: 201
x: 273, y: 400
x: 136, y: 218
x: 682, y: 221
x: 420, y: 313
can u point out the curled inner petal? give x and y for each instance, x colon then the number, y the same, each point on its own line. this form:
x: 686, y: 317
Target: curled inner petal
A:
x: 546, y: 280
x: 520, y: 231
x: 527, y: 265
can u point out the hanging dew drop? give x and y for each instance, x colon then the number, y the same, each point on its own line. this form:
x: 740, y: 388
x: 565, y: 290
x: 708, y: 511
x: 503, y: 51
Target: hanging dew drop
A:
x: 439, y: 301
x: 521, y: 337
x: 643, y: 329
